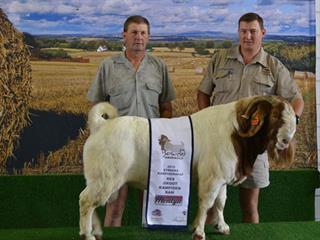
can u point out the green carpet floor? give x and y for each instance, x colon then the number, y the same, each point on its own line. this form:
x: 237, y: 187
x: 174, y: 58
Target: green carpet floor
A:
x: 263, y: 231
x: 51, y: 201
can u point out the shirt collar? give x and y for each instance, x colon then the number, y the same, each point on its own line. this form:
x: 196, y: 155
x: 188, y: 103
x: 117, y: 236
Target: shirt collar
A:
x: 261, y: 58
x: 121, y: 58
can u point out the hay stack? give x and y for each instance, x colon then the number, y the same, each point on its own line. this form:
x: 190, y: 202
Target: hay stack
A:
x: 15, y: 87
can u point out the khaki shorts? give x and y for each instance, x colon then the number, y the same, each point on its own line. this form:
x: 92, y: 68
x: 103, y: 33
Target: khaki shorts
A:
x: 260, y: 173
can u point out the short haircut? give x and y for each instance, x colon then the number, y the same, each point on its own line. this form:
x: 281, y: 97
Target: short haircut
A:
x: 135, y: 19
x: 249, y: 17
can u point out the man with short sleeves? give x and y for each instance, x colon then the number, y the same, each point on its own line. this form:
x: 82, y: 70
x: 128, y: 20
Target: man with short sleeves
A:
x: 137, y: 84
x: 243, y: 71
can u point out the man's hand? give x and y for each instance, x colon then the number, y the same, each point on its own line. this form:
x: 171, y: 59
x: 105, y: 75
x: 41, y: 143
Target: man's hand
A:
x: 166, y: 110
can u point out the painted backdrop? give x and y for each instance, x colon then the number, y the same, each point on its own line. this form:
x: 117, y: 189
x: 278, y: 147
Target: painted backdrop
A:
x: 69, y: 38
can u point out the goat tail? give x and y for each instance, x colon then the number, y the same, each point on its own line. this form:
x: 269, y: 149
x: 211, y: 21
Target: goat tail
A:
x: 99, y: 114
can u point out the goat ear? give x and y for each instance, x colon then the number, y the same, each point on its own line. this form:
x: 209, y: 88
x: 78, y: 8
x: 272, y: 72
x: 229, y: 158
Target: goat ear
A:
x: 253, y: 119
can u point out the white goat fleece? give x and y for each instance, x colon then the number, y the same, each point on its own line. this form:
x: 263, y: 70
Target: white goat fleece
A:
x: 117, y: 152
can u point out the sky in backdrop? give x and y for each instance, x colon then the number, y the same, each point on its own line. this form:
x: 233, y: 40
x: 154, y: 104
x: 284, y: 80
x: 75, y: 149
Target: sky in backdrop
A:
x: 100, y: 17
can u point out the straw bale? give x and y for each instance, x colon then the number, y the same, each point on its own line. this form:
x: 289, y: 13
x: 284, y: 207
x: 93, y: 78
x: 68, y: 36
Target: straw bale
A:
x: 199, y: 70
x: 15, y: 87
x: 310, y: 75
x: 299, y: 75
x: 171, y: 69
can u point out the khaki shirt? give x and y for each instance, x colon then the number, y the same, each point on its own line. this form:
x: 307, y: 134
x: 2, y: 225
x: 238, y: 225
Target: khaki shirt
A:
x: 228, y: 78
x: 133, y: 92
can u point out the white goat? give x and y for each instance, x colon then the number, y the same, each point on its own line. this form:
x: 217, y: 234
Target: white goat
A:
x: 227, y: 140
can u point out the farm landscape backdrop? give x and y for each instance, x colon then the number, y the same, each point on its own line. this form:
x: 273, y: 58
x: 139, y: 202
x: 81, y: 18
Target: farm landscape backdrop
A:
x: 59, y: 87
x: 69, y: 39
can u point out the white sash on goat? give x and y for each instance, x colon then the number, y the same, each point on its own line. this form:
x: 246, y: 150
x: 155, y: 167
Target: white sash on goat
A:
x: 170, y: 172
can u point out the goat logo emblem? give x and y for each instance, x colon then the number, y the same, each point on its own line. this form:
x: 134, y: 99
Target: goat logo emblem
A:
x: 157, y: 213
x: 169, y: 150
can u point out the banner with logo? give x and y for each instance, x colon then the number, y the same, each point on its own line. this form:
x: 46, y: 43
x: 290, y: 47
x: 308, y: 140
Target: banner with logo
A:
x: 170, y: 171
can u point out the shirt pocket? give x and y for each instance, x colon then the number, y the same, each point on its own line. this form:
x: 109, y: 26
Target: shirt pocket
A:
x: 151, y: 95
x: 263, y: 85
x: 223, y: 80
x: 121, y: 97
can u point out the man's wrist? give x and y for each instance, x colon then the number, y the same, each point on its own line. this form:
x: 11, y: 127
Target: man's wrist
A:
x: 166, y: 114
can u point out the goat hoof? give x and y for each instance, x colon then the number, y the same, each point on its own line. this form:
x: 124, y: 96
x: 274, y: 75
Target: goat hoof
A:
x: 84, y: 237
x: 98, y: 237
x: 222, y: 229
x: 197, y: 237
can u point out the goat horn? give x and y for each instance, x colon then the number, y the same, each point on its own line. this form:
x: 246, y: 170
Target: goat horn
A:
x: 253, y: 103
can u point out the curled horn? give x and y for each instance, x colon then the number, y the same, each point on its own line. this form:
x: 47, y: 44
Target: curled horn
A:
x: 252, y: 120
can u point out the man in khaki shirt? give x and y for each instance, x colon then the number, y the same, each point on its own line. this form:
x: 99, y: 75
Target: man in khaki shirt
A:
x: 137, y: 84
x: 243, y: 71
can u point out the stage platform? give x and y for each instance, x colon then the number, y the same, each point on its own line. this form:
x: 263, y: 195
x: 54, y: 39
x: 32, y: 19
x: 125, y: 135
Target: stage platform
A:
x: 46, y: 207
x: 263, y: 231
